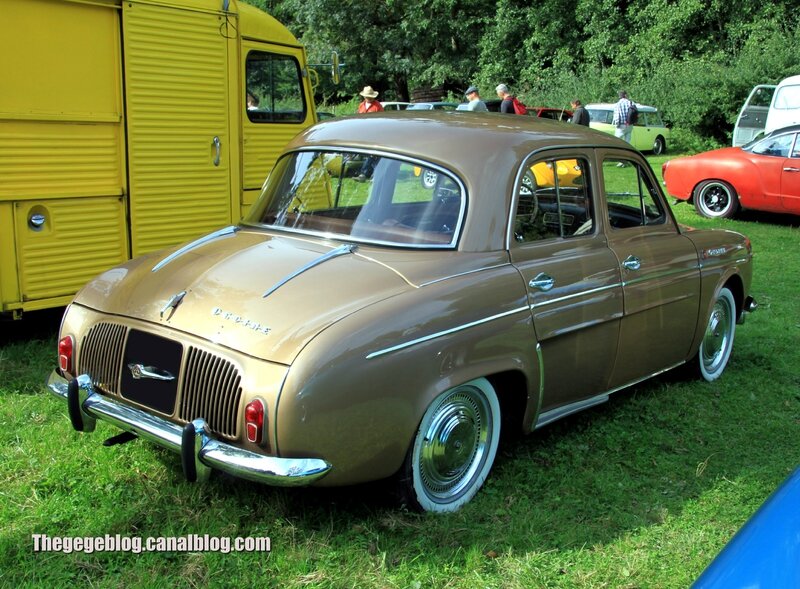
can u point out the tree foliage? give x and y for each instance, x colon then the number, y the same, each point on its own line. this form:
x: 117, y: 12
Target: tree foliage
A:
x: 695, y: 59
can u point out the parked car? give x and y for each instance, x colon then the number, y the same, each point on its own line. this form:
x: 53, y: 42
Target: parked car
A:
x: 348, y: 331
x: 542, y: 112
x: 763, y: 175
x: 395, y: 105
x: 765, y: 552
x: 432, y: 106
x: 649, y: 133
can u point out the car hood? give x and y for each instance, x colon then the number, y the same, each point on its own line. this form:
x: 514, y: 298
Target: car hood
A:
x: 225, y: 278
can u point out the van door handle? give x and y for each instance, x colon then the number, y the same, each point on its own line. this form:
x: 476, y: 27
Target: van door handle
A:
x: 632, y: 263
x: 218, y: 147
x: 542, y: 282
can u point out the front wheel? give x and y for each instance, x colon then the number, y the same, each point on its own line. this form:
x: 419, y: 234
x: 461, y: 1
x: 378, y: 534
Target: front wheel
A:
x: 717, y: 344
x: 454, y: 448
x: 659, y: 146
x: 716, y: 199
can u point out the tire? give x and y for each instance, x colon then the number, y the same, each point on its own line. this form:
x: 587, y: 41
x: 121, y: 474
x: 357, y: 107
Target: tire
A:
x: 717, y: 343
x: 453, y: 450
x: 428, y: 178
x: 659, y: 146
x: 716, y: 199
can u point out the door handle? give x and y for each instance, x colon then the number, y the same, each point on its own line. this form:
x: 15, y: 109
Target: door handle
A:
x: 218, y: 147
x: 542, y: 282
x: 632, y: 263
x: 791, y: 169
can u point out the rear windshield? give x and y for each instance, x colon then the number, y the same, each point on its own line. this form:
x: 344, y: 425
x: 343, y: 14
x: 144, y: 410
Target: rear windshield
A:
x: 362, y: 197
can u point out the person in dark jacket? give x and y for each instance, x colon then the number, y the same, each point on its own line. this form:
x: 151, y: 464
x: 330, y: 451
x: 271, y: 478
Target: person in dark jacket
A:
x: 580, y: 116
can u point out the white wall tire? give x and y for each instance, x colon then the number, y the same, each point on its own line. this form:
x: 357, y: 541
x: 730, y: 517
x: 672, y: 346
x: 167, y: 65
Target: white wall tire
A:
x: 717, y: 344
x: 454, y: 448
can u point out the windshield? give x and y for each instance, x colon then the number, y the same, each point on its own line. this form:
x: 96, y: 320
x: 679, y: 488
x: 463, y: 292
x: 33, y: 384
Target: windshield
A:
x: 362, y: 197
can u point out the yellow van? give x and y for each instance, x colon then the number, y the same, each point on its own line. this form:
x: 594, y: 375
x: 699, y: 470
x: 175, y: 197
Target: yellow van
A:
x: 129, y: 126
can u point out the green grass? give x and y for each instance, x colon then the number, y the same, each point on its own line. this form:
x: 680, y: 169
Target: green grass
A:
x: 639, y: 492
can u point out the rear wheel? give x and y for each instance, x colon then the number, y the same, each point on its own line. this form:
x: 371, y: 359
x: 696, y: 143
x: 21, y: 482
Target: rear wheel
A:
x: 429, y: 178
x: 716, y: 199
x: 717, y: 344
x: 454, y: 448
x: 659, y: 146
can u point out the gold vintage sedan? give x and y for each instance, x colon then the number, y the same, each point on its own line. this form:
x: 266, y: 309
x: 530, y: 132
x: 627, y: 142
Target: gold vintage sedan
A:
x: 359, y: 325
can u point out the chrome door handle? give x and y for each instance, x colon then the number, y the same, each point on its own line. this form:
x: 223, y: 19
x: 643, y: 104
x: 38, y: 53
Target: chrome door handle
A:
x: 791, y: 169
x: 632, y: 263
x: 542, y: 282
x: 218, y: 146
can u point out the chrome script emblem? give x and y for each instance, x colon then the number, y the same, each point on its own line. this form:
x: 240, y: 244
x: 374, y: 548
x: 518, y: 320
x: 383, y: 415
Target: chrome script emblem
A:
x: 239, y: 320
x: 139, y: 371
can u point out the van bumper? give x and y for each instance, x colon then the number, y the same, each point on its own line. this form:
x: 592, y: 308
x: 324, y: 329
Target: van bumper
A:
x: 199, y: 451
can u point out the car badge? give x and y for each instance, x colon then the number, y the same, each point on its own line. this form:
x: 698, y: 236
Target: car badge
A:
x: 173, y: 303
x: 140, y: 371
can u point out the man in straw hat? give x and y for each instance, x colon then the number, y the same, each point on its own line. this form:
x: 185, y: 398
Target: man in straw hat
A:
x: 369, y: 104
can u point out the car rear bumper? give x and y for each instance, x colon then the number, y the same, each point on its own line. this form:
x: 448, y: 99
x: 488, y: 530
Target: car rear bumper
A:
x: 199, y: 451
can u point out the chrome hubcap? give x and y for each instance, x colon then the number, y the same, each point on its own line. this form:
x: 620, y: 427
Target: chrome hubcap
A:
x: 454, y: 444
x: 717, y: 336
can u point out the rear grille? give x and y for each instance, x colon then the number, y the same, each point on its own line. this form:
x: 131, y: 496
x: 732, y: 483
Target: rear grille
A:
x: 211, y: 390
x: 101, y: 355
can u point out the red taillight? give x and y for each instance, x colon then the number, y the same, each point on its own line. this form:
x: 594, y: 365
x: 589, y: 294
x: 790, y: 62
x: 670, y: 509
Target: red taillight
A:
x: 254, y: 420
x: 66, y: 348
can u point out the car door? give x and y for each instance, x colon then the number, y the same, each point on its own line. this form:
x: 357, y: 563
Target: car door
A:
x: 790, y: 179
x: 573, y: 280
x: 659, y: 270
x: 775, y: 176
x: 753, y: 116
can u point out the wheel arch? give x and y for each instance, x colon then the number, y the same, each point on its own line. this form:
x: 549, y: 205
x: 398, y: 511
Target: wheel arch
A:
x: 511, y: 387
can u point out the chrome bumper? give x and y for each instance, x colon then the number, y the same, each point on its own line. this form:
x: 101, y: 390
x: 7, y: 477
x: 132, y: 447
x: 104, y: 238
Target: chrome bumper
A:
x: 199, y: 451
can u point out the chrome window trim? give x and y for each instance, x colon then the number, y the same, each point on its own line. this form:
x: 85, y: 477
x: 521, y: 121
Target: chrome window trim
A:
x: 466, y: 273
x: 438, y: 334
x: 452, y: 244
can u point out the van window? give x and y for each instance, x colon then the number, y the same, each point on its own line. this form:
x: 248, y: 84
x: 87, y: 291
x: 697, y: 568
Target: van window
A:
x: 274, y: 92
x: 787, y: 97
x: 597, y: 115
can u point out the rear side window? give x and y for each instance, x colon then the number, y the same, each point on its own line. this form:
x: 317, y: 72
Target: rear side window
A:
x: 779, y: 146
x: 274, y: 92
x: 554, y: 201
x: 597, y: 115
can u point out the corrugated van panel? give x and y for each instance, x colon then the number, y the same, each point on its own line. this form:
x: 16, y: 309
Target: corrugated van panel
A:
x: 40, y: 159
x: 80, y: 238
x: 262, y: 145
x: 176, y: 76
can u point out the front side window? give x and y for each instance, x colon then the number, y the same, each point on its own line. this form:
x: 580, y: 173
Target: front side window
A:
x: 274, y: 92
x: 779, y: 146
x: 631, y: 196
x: 362, y: 197
x: 554, y: 200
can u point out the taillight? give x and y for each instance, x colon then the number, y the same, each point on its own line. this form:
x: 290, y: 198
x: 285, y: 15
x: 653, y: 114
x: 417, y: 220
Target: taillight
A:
x: 66, y: 350
x: 254, y: 414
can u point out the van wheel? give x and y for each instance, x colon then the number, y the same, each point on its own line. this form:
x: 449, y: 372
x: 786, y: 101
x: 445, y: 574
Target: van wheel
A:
x: 453, y: 449
x: 659, y: 146
x: 716, y: 199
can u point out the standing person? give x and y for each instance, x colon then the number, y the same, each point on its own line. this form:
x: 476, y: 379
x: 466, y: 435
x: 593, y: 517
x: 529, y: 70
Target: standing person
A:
x: 369, y: 104
x: 620, y: 121
x: 475, y: 102
x: 580, y: 116
x: 510, y: 104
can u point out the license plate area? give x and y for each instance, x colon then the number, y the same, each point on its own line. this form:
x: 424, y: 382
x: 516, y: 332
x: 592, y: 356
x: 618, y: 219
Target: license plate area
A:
x: 150, y: 371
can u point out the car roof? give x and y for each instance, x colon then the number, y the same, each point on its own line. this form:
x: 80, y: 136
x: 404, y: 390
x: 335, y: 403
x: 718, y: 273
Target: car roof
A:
x: 484, y: 149
x: 611, y: 105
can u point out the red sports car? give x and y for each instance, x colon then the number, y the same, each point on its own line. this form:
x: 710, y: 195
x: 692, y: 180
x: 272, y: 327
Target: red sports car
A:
x: 762, y: 175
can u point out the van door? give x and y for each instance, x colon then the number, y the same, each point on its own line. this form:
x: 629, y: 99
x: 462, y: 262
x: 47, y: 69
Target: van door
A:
x: 176, y: 80
x: 275, y: 108
x: 753, y: 116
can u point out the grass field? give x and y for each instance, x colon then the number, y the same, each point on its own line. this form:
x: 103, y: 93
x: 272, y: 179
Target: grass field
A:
x: 640, y: 492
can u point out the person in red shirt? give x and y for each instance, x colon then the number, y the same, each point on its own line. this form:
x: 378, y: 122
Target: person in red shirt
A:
x: 369, y: 104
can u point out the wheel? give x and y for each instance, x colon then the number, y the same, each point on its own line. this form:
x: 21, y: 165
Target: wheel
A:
x: 717, y: 344
x: 454, y: 448
x: 716, y: 199
x: 659, y: 146
x: 429, y: 178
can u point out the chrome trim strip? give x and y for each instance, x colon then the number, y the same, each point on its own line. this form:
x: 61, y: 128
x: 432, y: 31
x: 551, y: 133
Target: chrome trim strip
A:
x: 468, y: 272
x: 342, y: 250
x: 438, y: 334
x: 574, y: 295
x: 196, y: 243
x: 540, y: 358
x: 210, y: 452
x: 554, y: 414
x: 659, y: 275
